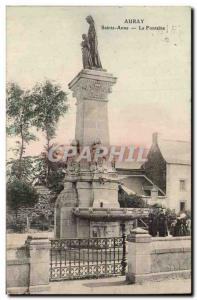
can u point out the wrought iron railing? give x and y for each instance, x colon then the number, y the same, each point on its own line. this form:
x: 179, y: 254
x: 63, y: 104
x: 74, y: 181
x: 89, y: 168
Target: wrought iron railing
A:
x: 87, y: 258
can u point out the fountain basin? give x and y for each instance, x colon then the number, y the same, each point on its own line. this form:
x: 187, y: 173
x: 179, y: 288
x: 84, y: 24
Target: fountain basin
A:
x: 110, y: 214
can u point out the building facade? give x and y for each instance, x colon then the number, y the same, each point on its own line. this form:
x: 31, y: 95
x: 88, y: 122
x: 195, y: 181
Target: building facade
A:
x: 165, y: 178
x: 169, y: 167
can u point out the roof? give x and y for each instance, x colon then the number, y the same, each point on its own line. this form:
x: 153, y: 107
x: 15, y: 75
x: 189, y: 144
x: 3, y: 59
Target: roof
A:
x: 141, y: 176
x: 127, y: 190
x: 129, y: 165
x: 175, y: 152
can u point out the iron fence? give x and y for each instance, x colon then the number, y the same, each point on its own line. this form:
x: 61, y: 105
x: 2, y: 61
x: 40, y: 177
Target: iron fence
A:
x: 87, y: 258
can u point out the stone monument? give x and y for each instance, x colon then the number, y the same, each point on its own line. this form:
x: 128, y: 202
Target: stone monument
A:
x: 88, y: 206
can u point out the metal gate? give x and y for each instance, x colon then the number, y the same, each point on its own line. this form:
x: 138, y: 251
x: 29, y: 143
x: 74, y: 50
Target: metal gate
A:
x: 87, y: 258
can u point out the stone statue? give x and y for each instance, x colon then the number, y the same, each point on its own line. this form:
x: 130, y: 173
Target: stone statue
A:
x: 86, y: 54
x: 93, y: 43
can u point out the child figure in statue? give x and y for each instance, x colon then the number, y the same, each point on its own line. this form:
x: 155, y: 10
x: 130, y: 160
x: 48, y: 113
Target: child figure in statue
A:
x: 86, y: 55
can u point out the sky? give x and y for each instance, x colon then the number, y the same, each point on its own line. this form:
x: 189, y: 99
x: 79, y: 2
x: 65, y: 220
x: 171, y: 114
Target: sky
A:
x: 152, y: 93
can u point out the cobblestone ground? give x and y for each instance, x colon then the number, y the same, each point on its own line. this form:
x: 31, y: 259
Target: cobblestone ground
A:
x: 117, y: 285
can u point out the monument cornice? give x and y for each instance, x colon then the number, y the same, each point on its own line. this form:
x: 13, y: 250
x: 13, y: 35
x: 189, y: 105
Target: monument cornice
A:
x: 97, y: 75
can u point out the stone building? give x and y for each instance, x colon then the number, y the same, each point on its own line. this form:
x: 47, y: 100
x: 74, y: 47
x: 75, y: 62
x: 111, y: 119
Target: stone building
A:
x: 169, y: 167
x: 166, y: 176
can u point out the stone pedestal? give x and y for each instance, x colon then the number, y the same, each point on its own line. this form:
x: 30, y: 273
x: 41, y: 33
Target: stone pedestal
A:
x: 91, y: 88
x: 39, y: 261
x: 139, y: 256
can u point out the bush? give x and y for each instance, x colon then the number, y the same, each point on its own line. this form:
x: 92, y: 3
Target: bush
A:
x: 19, y: 226
x: 20, y: 193
x: 40, y: 223
x: 130, y: 201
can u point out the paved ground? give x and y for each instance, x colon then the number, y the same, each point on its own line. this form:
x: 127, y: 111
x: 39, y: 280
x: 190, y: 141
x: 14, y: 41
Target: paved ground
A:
x: 117, y: 285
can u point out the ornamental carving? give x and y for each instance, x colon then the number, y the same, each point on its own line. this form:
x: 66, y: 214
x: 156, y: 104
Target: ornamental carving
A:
x: 92, y: 89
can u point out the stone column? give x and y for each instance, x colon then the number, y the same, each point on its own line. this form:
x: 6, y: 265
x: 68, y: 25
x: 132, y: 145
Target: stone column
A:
x: 139, y: 256
x: 39, y: 260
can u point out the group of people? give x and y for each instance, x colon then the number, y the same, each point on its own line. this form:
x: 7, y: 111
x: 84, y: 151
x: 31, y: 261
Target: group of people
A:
x: 162, y: 225
x: 181, y: 226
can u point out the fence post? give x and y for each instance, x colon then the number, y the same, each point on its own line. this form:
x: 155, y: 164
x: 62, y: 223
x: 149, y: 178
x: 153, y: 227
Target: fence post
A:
x: 124, y: 261
x: 39, y: 260
x: 139, y: 256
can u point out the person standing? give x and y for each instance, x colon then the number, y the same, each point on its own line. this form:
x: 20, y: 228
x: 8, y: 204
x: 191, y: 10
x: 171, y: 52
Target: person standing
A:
x: 188, y: 223
x: 162, y: 224
x: 153, y: 226
x: 177, y: 228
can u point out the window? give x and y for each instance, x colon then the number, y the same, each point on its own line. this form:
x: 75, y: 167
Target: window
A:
x: 182, y: 206
x: 182, y: 185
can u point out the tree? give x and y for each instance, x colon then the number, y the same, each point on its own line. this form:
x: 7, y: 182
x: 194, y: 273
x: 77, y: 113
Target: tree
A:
x: 20, y: 169
x: 50, y: 104
x: 20, y: 115
x: 55, y: 179
x: 31, y: 168
x: 20, y: 194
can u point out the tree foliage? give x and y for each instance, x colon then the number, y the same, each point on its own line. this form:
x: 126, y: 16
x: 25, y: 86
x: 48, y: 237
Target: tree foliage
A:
x: 19, y: 194
x: 55, y: 180
x: 31, y: 167
x: 27, y: 110
x: 40, y: 108
x: 130, y: 201
x: 20, y: 115
x: 50, y: 104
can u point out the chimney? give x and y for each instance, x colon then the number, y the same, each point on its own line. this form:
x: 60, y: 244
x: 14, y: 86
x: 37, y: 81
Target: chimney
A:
x: 155, y: 138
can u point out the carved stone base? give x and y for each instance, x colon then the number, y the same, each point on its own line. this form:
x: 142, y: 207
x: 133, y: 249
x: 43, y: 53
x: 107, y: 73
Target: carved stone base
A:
x: 85, y: 189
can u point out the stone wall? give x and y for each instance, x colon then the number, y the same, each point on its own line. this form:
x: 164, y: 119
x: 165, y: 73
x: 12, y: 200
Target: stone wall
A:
x: 17, y: 270
x: 157, y: 258
x: 170, y: 254
x: 27, y: 267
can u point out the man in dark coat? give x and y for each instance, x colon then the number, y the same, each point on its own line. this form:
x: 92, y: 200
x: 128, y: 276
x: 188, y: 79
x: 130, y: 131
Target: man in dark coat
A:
x: 162, y: 224
x: 177, y: 228
x: 152, y: 224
